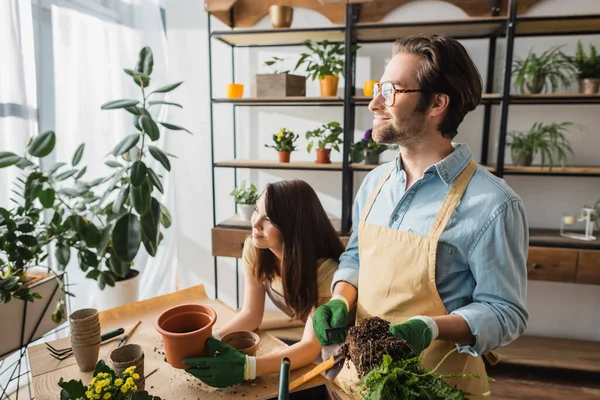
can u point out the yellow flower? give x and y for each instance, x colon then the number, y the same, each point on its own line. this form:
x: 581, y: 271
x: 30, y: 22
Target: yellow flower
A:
x: 107, y: 396
x: 93, y: 381
x: 97, y: 396
x: 134, y: 387
x: 119, y: 382
x: 130, y: 370
x: 98, y: 389
x: 136, y: 376
x: 125, y: 388
x: 89, y: 394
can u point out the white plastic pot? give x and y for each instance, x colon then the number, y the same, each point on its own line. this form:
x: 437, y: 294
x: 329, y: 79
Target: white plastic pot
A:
x: 246, y: 211
x: 124, y: 292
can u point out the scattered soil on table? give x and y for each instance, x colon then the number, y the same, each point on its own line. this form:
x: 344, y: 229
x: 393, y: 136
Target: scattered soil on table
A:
x: 367, y: 343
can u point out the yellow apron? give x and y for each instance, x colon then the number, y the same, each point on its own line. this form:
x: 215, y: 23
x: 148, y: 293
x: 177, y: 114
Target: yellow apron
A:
x: 396, y: 281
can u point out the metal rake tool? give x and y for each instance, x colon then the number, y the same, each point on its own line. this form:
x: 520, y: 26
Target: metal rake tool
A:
x: 61, y: 354
x: 336, y: 334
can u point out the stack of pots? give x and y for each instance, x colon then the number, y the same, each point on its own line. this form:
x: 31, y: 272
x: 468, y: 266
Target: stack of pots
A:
x: 85, y: 338
x: 130, y: 355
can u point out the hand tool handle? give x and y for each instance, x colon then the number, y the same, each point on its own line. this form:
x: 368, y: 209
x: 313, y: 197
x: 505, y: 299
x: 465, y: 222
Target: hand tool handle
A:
x: 112, y: 334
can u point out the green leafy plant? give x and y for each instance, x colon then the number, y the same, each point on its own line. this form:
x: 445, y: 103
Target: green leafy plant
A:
x: 358, y: 149
x: 242, y: 195
x: 327, y: 134
x: 105, y: 385
x: 284, y: 140
x: 535, y: 74
x: 587, y: 66
x: 276, y: 65
x: 324, y: 59
x: 407, y: 379
x: 549, y: 140
x: 105, y: 220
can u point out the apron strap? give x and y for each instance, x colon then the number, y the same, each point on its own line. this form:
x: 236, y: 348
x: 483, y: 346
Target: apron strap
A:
x: 371, y: 201
x: 454, y: 195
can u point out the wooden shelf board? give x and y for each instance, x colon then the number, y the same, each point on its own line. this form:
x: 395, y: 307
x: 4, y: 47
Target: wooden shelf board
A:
x: 364, y: 167
x: 485, y: 98
x: 551, y: 238
x: 556, y: 170
x: 555, y: 98
x: 282, y: 101
x: 271, y: 164
x: 236, y: 222
x: 537, y: 351
x: 462, y: 28
x: 557, y: 25
x: 279, y: 37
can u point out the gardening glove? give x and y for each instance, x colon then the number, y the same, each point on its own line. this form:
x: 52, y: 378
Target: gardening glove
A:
x: 418, y: 332
x: 333, y: 314
x: 224, y: 367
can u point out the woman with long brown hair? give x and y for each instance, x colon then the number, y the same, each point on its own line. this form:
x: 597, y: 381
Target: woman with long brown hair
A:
x: 291, y: 257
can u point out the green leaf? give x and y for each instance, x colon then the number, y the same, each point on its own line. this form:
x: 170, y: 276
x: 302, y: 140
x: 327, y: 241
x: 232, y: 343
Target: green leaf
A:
x: 167, y: 103
x: 167, y: 88
x: 138, y: 173
x: 165, y: 216
x: 71, y: 390
x: 24, y: 253
x: 104, y: 239
x: 155, y: 180
x: 66, y: 175
x: 55, y: 167
x: 119, y: 267
x: 150, y: 222
x: 121, y: 198
x: 78, y: 154
x: 28, y: 240
x: 101, y: 282
x: 145, y: 61
x: 160, y: 156
x: 47, y: 197
x: 113, y: 164
x: 126, y: 144
x: 87, y: 259
x: 25, y: 228
x: 174, y: 127
x: 111, y: 105
x: 140, y: 197
x: 91, y: 234
x: 42, y: 145
x: 127, y: 237
x: 150, y: 247
x: 81, y: 173
x: 24, y: 163
x: 93, y: 274
x: 7, y: 159
x: 141, y: 80
x: 150, y: 127
x: 110, y: 280
x: 62, y: 254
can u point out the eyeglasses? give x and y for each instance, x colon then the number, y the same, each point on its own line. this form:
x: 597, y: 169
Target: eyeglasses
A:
x: 388, y: 92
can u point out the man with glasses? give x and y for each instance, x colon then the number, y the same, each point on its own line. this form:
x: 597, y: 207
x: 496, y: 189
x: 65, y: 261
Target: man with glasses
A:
x: 439, y: 244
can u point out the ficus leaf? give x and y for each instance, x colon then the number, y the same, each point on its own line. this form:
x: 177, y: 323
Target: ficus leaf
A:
x: 42, y: 144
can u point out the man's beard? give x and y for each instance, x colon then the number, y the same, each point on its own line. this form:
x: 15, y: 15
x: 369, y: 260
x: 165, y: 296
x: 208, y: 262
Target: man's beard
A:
x: 407, y: 132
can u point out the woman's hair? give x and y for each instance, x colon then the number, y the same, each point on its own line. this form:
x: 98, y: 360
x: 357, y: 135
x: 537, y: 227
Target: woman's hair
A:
x: 294, y: 208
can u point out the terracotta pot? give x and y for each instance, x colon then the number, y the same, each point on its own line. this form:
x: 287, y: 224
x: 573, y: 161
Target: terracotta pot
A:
x: 328, y: 85
x: 521, y: 160
x: 184, y: 331
x: 281, y: 16
x: 128, y: 356
x: 86, y: 357
x: 589, y: 85
x: 323, y: 156
x: 284, y: 156
x: 371, y: 157
x: 244, y: 341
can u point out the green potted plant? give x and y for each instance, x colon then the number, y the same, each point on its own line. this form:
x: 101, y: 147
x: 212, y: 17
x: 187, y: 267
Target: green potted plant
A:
x: 587, y: 67
x: 284, y: 144
x: 104, y: 221
x: 279, y: 82
x: 325, y: 137
x: 368, y: 150
x: 535, y: 74
x: 246, y: 199
x: 548, y: 140
x: 324, y: 62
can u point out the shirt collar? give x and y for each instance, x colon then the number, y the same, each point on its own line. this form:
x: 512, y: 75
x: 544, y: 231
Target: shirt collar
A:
x: 450, y: 167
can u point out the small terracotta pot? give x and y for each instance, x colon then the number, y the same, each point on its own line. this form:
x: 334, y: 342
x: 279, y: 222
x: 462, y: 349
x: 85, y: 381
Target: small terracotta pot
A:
x: 130, y: 355
x: 244, y: 341
x: 281, y: 16
x: 323, y: 156
x: 184, y: 331
x: 284, y: 156
x: 328, y: 85
x: 86, y: 357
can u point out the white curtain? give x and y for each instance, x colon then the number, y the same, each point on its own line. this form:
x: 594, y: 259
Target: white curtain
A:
x: 90, y: 53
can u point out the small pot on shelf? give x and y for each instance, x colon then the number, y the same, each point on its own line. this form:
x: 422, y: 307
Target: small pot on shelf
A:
x: 323, y: 156
x: 371, y: 157
x: 281, y: 16
x: 246, y: 211
x: 284, y: 156
x: 328, y: 85
x: 521, y: 160
x: 589, y: 85
x: 533, y: 87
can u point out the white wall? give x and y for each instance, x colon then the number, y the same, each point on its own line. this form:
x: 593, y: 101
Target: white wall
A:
x: 568, y: 312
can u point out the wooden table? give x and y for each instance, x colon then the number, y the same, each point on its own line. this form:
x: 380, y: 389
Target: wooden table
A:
x: 167, y: 382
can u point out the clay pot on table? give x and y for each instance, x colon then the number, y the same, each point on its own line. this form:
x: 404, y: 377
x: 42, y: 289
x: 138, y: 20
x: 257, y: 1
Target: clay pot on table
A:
x: 184, y: 331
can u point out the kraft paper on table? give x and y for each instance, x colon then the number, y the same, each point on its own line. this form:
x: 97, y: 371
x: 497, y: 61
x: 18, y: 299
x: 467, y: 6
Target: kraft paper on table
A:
x: 167, y: 382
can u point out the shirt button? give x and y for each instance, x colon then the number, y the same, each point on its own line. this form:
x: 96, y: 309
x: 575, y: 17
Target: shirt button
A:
x: 395, y: 217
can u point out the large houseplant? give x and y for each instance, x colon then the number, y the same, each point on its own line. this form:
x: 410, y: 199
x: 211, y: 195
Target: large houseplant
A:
x: 548, y: 140
x: 324, y: 62
x: 326, y: 137
x: 105, y: 220
x: 587, y: 67
x: 548, y: 71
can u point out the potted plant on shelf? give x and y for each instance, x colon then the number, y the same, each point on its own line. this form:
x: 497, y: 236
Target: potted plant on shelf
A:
x: 368, y: 150
x: 245, y: 199
x: 325, y: 137
x: 278, y: 83
x: 324, y: 62
x: 104, y: 221
x: 548, y: 140
x: 588, y: 69
x: 535, y: 74
x: 284, y: 144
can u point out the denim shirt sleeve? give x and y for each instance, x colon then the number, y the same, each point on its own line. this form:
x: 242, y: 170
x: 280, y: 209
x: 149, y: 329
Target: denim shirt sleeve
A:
x: 498, y: 262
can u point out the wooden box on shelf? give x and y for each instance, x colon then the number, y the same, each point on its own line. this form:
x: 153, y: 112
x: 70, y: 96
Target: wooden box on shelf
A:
x: 279, y: 85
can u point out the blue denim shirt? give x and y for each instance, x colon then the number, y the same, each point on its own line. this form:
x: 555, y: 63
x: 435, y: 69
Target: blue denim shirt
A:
x: 481, y: 271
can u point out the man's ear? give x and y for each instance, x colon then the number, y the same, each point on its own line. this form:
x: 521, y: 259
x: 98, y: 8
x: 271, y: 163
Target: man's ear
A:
x: 441, y: 102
